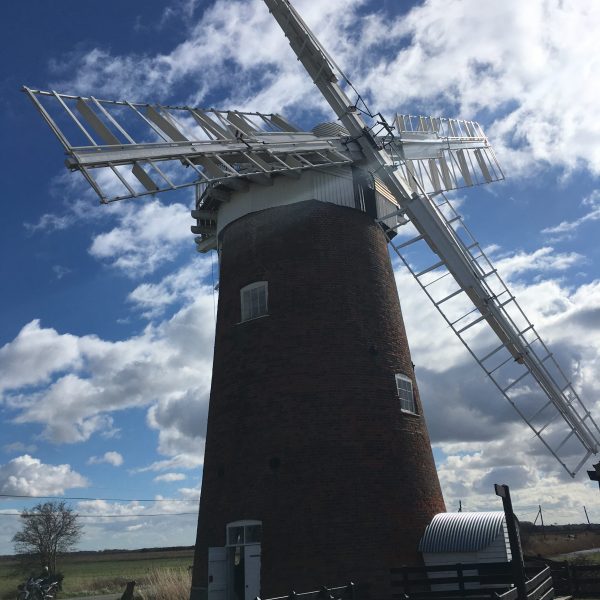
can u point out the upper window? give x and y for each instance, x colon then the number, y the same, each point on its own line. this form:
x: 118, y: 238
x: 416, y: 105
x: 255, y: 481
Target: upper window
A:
x: 254, y: 298
x: 406, y: 393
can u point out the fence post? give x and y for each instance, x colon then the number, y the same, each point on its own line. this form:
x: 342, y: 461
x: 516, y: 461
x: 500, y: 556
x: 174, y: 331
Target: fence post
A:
x: 575, y: 579
x: 569, y: 577
x: 352, y: 590
x: 461, y: 581
x: 405, y: 579
x: 513, y: 537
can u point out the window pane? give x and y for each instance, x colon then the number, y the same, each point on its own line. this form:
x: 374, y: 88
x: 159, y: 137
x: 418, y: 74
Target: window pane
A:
x: 406, y: 393
x: 235, y: 535
x: 254, y: 300
x: 246, y: 305
x: 262, y: 301
x: 253, y: 534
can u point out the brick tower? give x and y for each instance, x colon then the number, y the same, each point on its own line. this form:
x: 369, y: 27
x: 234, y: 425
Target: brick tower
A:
x: 318, y: 467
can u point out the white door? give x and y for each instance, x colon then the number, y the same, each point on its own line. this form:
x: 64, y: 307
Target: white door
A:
x: 217, y: 573
x: 252, y: 571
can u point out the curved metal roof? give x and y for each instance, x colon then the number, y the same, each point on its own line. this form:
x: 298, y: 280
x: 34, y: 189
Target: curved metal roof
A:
x: 461, y: 532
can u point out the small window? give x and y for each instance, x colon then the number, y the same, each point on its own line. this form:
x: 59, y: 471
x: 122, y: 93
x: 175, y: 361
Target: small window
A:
x: 405, y: 393
x: 242, y: 533
x: 235, y: 536
x: 254, y: 300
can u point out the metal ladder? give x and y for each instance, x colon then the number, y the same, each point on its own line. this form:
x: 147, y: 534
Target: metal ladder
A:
x: 521, y: 358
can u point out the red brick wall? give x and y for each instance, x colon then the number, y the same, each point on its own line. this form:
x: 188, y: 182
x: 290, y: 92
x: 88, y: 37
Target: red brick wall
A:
x: 312, y: 385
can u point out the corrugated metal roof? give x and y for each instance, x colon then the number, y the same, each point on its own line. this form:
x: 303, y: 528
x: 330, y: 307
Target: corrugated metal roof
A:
x: 461, y: 532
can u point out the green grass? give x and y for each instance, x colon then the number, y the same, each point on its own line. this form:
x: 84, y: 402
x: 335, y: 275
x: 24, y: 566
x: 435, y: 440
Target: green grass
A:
x: 101, y: 572
x: 583, y: 558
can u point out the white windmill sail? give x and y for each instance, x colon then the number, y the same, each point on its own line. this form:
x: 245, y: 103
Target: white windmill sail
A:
x: 492, y: 305
x: 126, y: 149
x: 436, y: 154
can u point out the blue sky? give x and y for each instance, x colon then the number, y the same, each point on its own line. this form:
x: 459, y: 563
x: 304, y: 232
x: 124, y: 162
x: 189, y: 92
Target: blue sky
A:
x: 107, y: 313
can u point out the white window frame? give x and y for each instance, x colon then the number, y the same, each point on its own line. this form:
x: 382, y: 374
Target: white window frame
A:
x: 245, y: 524
x: 408, y: 404
x: 254, y: 310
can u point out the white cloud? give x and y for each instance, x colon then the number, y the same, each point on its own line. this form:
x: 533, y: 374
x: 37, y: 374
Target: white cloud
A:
x: 179, y: 461
x: 182, y: 285
x: 140, y: 524
x: 60, y: 271
x: 170, y: 477
x: 167, y: 365
x: 50, y: 222
x: 147, y: 235
x: 36, y: 353
x: 110, y: 458
x: 28, y: 476
x: 482, y: 438
x: 567, y: 228
x: 463, y: 59
x: 440, y: 54
x: 540, y: 260
x: 19, y: 447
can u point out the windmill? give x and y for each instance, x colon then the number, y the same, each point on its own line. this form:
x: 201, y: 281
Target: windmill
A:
x: 318, y: 466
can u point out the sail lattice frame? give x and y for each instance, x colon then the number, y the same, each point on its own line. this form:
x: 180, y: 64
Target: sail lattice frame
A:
x: 126, y: 150
x: 557, y: 416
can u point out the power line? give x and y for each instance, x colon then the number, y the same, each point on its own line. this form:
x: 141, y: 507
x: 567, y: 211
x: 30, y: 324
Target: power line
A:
x: 100, y: 516
x: 88, y: 498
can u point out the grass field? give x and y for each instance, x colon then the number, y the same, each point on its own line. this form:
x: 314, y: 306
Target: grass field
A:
x: 100, y: 572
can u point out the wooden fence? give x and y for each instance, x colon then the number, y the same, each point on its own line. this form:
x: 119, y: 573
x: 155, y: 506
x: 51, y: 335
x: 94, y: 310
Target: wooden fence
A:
x: 480, y: 581
x: 345, y: 592
x: 573, y: 579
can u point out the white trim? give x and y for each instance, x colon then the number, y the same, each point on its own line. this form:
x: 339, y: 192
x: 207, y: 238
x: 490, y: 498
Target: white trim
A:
x: 407, y: 404
x: 257, y: 306
x: 244, y: 523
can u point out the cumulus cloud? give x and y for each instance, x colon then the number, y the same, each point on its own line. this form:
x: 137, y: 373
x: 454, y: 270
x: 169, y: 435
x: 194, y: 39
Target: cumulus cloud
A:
x: 512, y: 75
x: 167, y: 365
x: 567, y: 228
x: 36, y: 353
x: 179, y: 461
x: 481, y: 438
x: 28, y: 476
x: 147, y: 235
x: 183, y: 285
x: 141, y: 524
x: 508, y: 79
x: 110, y: 458
x: 540, y: 260
x: 19, y: 447
x: 169, y: 477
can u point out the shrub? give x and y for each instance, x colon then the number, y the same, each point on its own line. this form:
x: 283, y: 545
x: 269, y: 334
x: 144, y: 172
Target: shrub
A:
x: 167, y: 584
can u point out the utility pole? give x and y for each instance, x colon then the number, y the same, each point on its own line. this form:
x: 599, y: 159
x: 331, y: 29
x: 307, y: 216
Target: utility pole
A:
x: 514, y: 539
x: 542, y: 520
x: 586, y: 515
x: 460, y: 506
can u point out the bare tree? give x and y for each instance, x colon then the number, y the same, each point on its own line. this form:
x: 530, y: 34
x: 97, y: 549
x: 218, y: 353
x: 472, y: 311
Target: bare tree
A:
x: 48, y: 529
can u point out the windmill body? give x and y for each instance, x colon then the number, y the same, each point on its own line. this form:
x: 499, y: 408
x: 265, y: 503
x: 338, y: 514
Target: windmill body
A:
x: 318, y: 467
x: 307, y: 436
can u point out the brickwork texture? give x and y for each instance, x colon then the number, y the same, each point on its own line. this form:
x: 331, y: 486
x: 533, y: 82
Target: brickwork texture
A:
x: 305, y: 431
